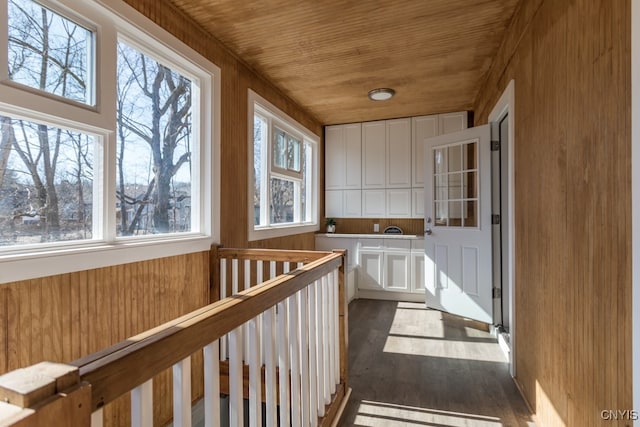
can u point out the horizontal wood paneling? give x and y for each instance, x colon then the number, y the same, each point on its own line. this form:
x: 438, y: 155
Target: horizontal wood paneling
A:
x: 61, y: 318
x: 365, y: 225
x: 570, y: 61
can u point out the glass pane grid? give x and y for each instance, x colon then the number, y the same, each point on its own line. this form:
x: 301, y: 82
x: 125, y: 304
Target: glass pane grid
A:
x: 455, y: 191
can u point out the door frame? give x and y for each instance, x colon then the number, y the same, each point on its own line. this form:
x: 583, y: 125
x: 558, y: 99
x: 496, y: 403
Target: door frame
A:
x: 506, y: 106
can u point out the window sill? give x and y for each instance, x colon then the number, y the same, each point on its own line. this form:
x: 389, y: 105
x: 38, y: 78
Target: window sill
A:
x: 31, y: 265
x: 281, y: 231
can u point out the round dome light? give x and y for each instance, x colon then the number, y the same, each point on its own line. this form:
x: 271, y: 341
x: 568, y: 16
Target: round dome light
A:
x: 381, y: 94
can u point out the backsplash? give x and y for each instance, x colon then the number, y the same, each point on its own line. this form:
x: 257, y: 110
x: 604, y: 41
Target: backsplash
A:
x: 365, y: 225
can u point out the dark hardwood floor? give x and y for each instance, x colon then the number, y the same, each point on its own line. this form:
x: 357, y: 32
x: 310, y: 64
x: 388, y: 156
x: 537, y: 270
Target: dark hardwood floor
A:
x: 412, y: 366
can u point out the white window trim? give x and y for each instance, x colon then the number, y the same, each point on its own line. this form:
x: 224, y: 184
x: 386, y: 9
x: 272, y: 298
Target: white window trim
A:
x: 111, y: 19
x: 290, y: 125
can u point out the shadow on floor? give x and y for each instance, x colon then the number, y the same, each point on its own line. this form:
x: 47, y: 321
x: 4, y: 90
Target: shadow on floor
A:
x: 412, y: 366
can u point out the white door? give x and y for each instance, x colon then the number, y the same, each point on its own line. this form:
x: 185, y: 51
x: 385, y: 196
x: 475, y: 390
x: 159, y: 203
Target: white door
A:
x: 458, y: 223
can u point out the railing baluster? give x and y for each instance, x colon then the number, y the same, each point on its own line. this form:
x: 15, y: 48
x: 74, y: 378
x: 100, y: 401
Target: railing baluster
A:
x: 336, y: 317
x: 313, y: 358
x: 259, y: 279
x: 245, y: 332
x: 234, y: 276
x: 271, y: 392
x: 212, y: 385
x: 182, y: 393
x: 333, y: 326
x: 223, y: 295
x: 255, y: 374
x: 326, y: 328
x: 321, y: 346
x: 295, y: 361
x: 303, y: 331
x: 283, y: 363
x: 97, y: 418
x: 142, y: 405
x: 236, y: 402
x: 272, y: 269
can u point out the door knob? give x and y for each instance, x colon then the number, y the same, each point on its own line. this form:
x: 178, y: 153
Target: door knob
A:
x: 428, y: 231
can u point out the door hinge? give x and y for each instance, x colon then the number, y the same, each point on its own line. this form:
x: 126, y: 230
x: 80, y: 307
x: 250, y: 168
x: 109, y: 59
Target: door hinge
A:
x: 495, y: 219
x: 495, y: 145
x: 497, y: 293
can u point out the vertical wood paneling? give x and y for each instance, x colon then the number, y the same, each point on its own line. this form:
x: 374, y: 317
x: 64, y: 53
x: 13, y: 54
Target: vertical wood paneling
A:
x: 571, y: 65
x: 61, y: 318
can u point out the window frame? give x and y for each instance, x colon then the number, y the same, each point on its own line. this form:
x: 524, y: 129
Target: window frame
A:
x: 111, y: 23
x: 276, y: 118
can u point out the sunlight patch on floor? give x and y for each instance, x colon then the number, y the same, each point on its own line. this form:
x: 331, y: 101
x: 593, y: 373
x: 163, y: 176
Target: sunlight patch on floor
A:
x: 425, y: 346
x: 375, y: 414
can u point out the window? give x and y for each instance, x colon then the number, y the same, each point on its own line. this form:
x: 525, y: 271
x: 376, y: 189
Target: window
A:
x: 284, y: 174
x: 107, y: 137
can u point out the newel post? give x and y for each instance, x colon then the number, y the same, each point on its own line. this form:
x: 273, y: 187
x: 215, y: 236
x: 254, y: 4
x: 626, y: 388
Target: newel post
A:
x: 38, y: 394
x: 343, y: 313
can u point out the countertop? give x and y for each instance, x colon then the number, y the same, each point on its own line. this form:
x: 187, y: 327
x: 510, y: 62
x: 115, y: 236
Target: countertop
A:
x: 373, y: 236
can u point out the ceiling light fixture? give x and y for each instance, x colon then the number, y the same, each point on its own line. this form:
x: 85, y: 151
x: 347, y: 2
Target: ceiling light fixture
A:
x: 381, y: 94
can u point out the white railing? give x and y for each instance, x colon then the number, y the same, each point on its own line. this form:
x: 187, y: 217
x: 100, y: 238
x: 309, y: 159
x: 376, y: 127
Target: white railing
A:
x: 280, y: 342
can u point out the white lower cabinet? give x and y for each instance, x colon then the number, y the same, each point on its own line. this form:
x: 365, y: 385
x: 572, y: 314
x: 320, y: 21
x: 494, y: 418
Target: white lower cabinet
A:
x: 384, y: 265
x: 370, y: 270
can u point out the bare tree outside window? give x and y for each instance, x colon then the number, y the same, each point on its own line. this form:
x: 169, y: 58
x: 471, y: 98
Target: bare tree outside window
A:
x: 154, y: 117
x: 47, y: 52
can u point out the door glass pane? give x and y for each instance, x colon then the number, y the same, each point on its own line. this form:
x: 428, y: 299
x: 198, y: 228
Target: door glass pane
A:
x: 441, y: 189
x: 455, y: 158
x: 440, y: 160
x: 470, y: 213
x: 470, y: 187
x: 455, y: 213
x: 280, y: 150
x: 440, y: 214
x: 455, y: 186
x: 470, y: 160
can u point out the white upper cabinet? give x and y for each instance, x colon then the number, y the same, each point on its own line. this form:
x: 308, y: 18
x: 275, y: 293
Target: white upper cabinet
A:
x: 343, y: 156
x: 423, y: 127
x: 398, y: 149
x: 398, y: 203
x: 374, y: 136
x: 452, y: 122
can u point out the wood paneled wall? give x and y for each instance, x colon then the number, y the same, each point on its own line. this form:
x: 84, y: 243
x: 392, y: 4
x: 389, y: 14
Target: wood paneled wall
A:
x: 570, y: 61
x: 62, y: 318
x: 237, y: 78
x: 365, y: 225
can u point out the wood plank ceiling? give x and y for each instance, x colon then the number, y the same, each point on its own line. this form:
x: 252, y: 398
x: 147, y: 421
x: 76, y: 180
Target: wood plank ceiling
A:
x: 326, y: 55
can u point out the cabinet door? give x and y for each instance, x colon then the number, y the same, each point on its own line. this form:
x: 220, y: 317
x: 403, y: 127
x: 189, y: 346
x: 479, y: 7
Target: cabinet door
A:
x: 335, y: 160
x: 398, y: 203
x: 373, y: 203
x: 417, y: 271
x: 452, y: 122
x: 353, y: 156
x: 370, y: 271
x: 417, y: 202
x: 373, y: 154
x: 397, y: 271
x: 398, y: 149
x: 422, y: 127
x: 333, y: 203
x: 352, y: 203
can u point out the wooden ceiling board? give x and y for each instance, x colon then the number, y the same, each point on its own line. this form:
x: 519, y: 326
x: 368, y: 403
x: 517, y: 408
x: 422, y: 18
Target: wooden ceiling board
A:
x: 327, y: 54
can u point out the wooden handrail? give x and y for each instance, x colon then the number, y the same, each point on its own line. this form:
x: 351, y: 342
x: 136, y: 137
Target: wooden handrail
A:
x: 271, y: 254
x: 120, y: 368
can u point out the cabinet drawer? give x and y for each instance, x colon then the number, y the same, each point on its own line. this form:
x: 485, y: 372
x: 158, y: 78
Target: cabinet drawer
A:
x: 371, y: 243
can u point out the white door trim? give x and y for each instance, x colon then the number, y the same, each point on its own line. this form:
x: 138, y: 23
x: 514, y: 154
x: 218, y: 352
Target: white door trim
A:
x: 505, y: 105
x: 635, y: 202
